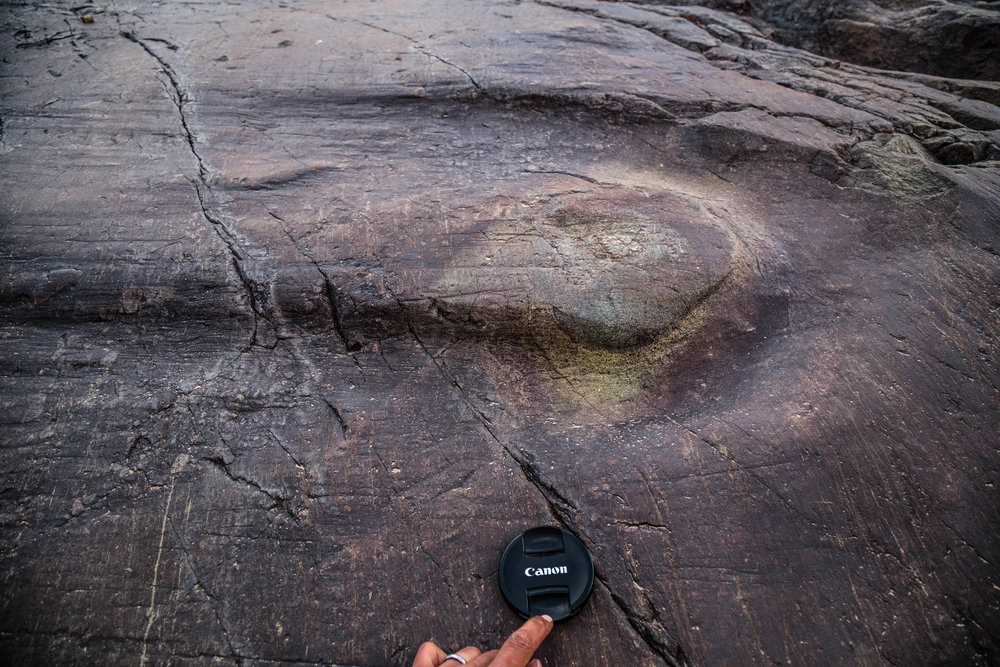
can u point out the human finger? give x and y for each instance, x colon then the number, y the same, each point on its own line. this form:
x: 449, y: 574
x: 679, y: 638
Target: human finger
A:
x: 484, y: 659
x: 467, y: 655
x: 523, y: 642
x: 428, y: 655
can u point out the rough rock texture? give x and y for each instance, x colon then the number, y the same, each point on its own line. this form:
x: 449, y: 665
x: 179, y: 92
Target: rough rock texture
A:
x: 957, y: 39
x: 308, y: 309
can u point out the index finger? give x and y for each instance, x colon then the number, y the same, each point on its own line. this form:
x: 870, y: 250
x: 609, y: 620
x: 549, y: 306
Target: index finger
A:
x: 522, y: 644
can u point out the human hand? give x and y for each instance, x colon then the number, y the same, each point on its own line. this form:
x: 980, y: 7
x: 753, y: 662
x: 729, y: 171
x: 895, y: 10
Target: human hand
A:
x: 515, y: 652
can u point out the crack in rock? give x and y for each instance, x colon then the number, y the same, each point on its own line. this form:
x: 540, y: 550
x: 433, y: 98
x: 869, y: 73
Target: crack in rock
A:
x: 257, y: 293
x: 235, y: 655
x: 278, y: 502
x: 420, y: 46
x: 331, y: 294
x: 563, y: 510
x: 650, y: 631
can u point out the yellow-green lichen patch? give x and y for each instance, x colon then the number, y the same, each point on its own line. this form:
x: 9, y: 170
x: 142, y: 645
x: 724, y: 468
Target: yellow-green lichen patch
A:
x: 619, y: 272
x: 600, y: 290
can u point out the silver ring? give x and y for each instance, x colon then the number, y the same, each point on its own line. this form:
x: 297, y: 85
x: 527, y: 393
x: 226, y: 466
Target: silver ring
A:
x: 454, y: 656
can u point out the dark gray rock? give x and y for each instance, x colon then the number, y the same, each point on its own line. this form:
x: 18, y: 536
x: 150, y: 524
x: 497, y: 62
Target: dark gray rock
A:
x: 308, y: 310
x: 959, y: 38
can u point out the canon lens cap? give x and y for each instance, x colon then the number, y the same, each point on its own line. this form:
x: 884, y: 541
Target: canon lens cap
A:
x: 546, y: 570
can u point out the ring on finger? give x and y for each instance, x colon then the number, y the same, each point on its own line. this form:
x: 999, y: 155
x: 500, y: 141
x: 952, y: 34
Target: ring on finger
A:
x: 454, y: 656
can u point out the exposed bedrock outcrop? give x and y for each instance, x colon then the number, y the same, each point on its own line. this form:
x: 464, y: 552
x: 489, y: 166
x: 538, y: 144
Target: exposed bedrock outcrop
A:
x: 306, y: 309
x: 958, y: 39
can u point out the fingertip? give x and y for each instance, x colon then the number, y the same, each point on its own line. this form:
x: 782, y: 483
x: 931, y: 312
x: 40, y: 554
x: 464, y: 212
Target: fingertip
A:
x: 547, y: 623
x: 428, y: 655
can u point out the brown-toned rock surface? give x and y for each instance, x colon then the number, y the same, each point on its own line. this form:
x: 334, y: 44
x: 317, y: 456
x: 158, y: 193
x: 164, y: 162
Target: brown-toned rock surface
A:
x: 309, y: 308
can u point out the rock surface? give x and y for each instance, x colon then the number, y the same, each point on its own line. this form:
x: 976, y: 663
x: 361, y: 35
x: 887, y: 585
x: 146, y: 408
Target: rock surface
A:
x: 309, y: 308
x: 957, y: 39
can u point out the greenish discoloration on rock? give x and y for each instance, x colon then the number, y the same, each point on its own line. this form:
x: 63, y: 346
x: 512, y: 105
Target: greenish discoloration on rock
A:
x: 620, y: 271
x: 899, y: 164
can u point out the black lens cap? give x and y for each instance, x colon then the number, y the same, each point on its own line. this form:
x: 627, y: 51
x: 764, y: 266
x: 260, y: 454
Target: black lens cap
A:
x: 546, y: 570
